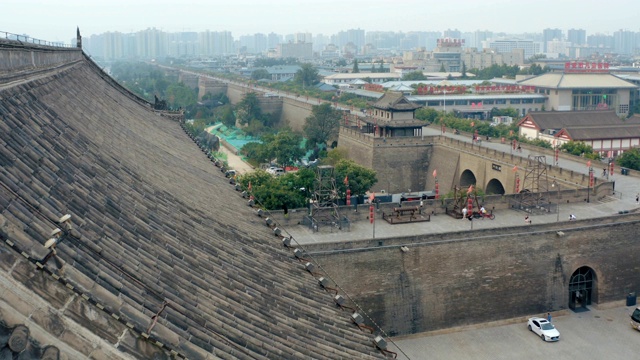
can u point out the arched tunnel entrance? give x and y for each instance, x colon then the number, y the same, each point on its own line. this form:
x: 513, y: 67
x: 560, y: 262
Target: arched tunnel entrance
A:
x: 582, y: 288
x: 467, y: 178
x: 494, y: 187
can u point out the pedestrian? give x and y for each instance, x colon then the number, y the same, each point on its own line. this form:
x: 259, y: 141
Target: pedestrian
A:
x: 572, y: 217
x: 527, y: 220
x: 519, y: 148
x: 549, y: 316
x: 637, y: 199
x: 464, y: 212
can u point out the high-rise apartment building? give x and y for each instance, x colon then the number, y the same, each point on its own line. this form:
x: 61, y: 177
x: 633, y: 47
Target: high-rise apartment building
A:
x: 479, y: 36
x: 452, y: 34
x: 577, y: 37
x: 624, y: 42
x: 549, y: 35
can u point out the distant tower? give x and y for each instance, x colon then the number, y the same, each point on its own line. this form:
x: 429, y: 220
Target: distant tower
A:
x: 78, y: 38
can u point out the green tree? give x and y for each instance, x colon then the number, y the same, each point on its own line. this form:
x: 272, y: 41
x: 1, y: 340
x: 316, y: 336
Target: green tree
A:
x: 355, y: 66
x: 256, y: 152
x: 179, y: 95
x: 381, y: 67
x: 629, y: 159
x: 334, y: 156
x: 258, y: 74
x: 360, y: 178
x: 249, y: 109
x: 579, y: 148
x: 442, y: 68
x: 322, y: 125
x: 464, y: 70
x: 306, y: 76
x: 427, y: 114
x: 414, y: 75
x: 285, y: 147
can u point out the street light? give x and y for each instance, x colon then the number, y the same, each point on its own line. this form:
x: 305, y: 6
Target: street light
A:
x: 444, y: 102
x: 557, y: 186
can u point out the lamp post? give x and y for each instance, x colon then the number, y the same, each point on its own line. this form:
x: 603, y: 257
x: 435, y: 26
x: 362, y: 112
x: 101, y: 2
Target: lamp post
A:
x: 444, y: 101
x: 557, y: 186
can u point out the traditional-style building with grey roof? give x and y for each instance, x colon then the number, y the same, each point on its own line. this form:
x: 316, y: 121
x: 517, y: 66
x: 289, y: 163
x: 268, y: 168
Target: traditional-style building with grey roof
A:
x: 604, y: 131
x: 394, y: 115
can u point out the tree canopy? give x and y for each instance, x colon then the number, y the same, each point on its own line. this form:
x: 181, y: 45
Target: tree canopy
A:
x: 359, y: 178
x: 284, y: 147
x: 579, y: 148
x: 414, y: 75
x: 248, y: 109
x: 355, y: 66
x: 306, y: 76
x: 258, y: 74
x: 322, y: 125
x: 629, y: 159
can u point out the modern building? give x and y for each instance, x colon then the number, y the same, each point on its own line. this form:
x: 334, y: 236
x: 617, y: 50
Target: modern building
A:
x: 583, y: 86
x: 298, y: 50
x: 577, y: 37
x: 549, y: 35
x: 508, y: 45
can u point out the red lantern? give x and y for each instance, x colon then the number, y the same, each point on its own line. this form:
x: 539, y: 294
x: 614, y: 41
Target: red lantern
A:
x: 470, y: 206
x: 591, y: 178
x: 437, y: 190
x: 348, y: 197
x: 517, y: 183
x: 371, y: 214
x: 557, y: 152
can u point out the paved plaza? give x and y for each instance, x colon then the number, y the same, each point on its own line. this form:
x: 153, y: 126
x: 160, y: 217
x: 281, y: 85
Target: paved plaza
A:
x: 592, y: 335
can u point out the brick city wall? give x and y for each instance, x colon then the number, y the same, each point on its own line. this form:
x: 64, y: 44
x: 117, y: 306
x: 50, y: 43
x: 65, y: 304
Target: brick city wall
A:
x: 462, y: 278
x: 295, y: 113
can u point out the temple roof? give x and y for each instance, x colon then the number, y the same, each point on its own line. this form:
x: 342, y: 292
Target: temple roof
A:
x: 395, y: 101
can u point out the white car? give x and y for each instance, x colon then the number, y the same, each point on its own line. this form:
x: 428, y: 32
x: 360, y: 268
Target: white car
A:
x: 543, y: 328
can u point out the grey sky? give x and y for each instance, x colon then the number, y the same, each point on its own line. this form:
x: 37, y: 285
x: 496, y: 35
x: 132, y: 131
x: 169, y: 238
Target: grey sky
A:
x: 56, y: 20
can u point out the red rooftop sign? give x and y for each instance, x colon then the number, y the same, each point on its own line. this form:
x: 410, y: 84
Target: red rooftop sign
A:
x: 585, y: 67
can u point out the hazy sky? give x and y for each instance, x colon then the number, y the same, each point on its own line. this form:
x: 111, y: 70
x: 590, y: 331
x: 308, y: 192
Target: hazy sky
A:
x: 56, y: 20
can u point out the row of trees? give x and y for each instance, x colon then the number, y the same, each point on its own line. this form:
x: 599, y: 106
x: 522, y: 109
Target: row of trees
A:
x: 294, y: 189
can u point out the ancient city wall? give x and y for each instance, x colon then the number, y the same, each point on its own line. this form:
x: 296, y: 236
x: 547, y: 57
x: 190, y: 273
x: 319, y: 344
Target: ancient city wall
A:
x: 463, y: 278
x: 294, y: 113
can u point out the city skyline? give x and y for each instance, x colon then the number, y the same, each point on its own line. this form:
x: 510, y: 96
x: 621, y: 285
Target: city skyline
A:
x: 57, y: 20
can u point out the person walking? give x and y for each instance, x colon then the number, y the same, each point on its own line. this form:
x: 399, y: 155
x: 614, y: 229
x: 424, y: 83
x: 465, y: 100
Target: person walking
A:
x: 637, y: 199
x: 549, y: 316
x: 464, y: 212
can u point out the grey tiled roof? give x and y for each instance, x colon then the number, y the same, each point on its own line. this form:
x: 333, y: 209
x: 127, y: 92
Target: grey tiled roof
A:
x: 588, y: 125
x: 395, y: 101
x: 154, y: 221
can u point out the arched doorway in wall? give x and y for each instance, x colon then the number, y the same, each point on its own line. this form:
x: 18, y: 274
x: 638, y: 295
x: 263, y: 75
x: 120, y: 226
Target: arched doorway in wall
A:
x: 467, y: 178
x: 494, y: 187
x: 582, y: 288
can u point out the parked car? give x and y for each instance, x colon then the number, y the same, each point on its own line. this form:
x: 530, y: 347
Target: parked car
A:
x: 230, y: 173
x: 543, y: 328
x: 276, y: 171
